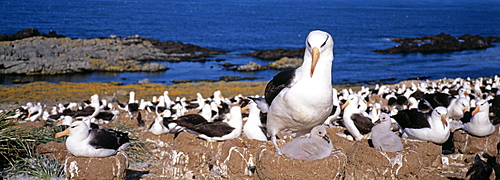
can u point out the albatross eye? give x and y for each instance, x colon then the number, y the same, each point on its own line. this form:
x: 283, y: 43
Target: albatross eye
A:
x: 325, y: 41
x: 308, y: 44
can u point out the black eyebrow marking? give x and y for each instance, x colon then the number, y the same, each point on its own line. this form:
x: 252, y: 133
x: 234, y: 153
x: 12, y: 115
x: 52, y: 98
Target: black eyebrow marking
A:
x: 325, y: 41
x: 308, y: 44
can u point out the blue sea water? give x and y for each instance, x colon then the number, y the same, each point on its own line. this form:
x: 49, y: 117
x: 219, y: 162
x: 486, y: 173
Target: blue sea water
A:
x: 236, y: 26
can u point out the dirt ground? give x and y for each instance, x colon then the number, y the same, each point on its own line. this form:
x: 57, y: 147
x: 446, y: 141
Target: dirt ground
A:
x: 188, y: 157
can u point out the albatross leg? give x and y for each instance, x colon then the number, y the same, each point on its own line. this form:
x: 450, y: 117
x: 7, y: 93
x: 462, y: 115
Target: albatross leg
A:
x: 273, y: 140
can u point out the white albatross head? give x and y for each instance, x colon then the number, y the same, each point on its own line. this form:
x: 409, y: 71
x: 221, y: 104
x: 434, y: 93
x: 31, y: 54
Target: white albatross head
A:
x: 319, y: 46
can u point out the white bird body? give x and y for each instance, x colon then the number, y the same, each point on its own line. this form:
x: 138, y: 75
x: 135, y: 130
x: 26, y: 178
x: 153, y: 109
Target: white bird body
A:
x: 438, y: 132
x: 200, y: 100
x: 34, y: 111
x: 383, y: 138
x: 206, y: 112
x: 375, y: 112
x: 157, y: 127
x: 351, y: 108
x: 85, y: 142
x: 336, y: 111
x: 305, y: 97
x: 315, y: 146
x: 253, y: 126
x: 457, y: 108
x: 168, y: 103
x: 480, y: 124
x: 301, y: 118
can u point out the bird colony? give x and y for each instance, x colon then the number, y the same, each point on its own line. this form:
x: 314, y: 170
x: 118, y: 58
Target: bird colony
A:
x: 298, y: 103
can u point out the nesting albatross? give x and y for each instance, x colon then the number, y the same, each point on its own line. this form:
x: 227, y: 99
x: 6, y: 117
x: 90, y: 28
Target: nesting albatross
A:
x: 316, y: 146
x: 83, y: 141
x: 300, y: 99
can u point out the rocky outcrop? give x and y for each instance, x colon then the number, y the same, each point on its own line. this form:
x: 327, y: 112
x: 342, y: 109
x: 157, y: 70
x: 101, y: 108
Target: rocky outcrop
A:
x: 26, y: 33
x: 251, y: 66
x: 275, y: 54
x: 285, y: 63
x: 113, y: 167
x: 440, y: 43
x: 41, y: 55
x: 467, y: 144
x: 281, y: 64
x: 38, y: 54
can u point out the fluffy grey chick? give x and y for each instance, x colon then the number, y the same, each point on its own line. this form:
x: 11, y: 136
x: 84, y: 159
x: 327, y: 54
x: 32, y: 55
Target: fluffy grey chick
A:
x: 315, y: 146
x: 383, y: 138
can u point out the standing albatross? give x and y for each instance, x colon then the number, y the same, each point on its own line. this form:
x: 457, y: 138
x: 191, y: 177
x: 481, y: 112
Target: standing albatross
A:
x: 301, y: 99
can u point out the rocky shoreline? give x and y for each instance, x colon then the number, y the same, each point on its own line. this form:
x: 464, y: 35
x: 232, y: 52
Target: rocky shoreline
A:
x: 30, y: 52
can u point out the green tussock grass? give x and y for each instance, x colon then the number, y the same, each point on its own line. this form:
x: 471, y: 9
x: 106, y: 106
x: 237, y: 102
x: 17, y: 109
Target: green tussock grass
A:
x: 137, y: 151
x: 17, y: 149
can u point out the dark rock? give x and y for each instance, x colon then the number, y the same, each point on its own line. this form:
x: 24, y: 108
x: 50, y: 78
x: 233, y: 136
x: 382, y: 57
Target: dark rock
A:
x: 235, y: 78
x: 26, y: 33
x: 181, y: 81
x: 440, y: 43
x: 228, y: 64
x: 275, y: 54
x: 171, y: 47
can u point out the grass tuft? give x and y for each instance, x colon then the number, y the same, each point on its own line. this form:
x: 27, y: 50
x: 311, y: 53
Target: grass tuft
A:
x: 17, y: 149
x: 38, y: 166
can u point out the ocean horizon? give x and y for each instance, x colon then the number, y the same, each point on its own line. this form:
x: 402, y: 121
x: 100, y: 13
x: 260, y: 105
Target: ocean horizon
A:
x: 234, y: 26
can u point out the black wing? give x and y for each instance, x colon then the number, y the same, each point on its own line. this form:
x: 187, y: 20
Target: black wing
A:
x: 105, y: 115
x: 479, y: 169
x: 280, y: 81
x: 411, y: 118
x: 133, y: 107
x: 189, y: 120
x: 140, y: 122
x: 466, y: 118
x: 107, y: 138
x: 438, y: 99
x: 87, y: 111
x: 363, y: 123
x: 215, y: 129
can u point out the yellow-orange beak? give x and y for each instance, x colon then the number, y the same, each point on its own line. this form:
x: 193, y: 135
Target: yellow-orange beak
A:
x: 465, y: 110
x: 443, y: 119
x: 476, y: 110
x: 345, y: 104
x: 62, y: 133
x: 315, y: 58
x: 243, y: 109
x: 58, y: 123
